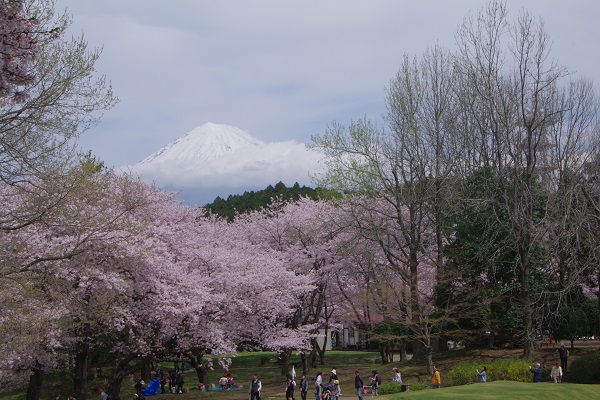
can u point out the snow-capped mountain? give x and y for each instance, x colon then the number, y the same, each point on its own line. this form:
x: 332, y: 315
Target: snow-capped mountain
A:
x: 218, y: 159
x: 205, y: 142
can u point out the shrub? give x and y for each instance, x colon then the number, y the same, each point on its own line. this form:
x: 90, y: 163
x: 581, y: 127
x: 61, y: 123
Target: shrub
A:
x: 585, y: 369
x: 509, y: 369
x: 462, y: 374
x: 501, y: 370
x: 419, y: 386
x: 390, y: 387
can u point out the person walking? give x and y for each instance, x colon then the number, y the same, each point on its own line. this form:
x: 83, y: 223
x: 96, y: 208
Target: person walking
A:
x: 179, y: 382
x: 318, y: 385
x: 482, y: 376
x: 563, y: 353
x: 358, y: 384
x: 172, y: 380
x: 336, y: 391
x: 436, y: 378
x: 255, y: 388
x: 397, y: 376
x: 289, y: 387
x: 303, y: 387
x: 556, y: 373
x: 163, y: 381
x: 537, y: 373
x: 333, y: 376
x: 375, y: 380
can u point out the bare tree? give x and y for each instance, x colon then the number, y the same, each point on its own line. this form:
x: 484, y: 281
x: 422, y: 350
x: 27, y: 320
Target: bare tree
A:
x: 529, y: 125
x: 405, y: 169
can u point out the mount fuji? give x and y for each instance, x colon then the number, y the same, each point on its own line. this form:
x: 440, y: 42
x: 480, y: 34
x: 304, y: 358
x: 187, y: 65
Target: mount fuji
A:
x: 218, y: 160
x: 204, y: 143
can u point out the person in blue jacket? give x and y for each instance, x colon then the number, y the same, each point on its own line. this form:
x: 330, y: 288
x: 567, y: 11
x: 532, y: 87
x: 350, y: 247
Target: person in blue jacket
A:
x: 482, y: 375
x: 537, y: 373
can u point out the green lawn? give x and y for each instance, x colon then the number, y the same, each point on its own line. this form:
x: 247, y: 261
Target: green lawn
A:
x: 504, y: 390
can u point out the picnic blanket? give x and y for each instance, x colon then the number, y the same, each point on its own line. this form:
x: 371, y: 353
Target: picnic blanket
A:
x: 152, y: 387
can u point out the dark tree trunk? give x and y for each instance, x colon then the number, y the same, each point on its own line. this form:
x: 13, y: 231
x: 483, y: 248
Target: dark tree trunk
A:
x: 316, y: 349
x: 418, y: 350
x: 34, y: 389
x: 284, y: 356
x: 313, y: 358
x: 304, y: 363
x: 114, y: 386
x: 145, y: 372
x: 80, y: 373
x: 402, y: 351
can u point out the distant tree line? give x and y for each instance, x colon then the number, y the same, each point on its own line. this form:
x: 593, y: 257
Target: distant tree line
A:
x: 256, y: 200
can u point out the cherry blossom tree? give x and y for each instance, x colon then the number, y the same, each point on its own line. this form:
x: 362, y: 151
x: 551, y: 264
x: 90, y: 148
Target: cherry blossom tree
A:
x: 181, y: 281
x: 18, y: 48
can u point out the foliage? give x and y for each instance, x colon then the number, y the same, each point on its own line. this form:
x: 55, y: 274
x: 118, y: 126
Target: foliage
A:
x: 585, y: 369
x: 390, y: 387
x: 254, y: 201
x: 572, y: 322
x: 419, y: 386
x: 21, y: 37
x: 506, y: 369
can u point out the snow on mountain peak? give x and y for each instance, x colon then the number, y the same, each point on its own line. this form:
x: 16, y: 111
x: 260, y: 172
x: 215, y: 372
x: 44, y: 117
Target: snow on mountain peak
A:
x: 205, y: 142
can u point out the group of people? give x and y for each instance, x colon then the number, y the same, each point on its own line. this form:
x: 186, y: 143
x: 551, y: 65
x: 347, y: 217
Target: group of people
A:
x: 558, y: 369
x: 329, y: 390
x: 333, y: 391
x: 226, y: 381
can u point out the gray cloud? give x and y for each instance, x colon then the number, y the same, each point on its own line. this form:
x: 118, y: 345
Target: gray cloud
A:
x: 280, y: 70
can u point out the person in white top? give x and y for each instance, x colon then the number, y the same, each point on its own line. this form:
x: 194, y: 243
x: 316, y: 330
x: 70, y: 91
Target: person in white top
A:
x: 318, y: 385
x: 397, y: 377
x: 556, y: 373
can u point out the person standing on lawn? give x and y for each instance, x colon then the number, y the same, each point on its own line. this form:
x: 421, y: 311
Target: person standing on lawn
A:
x: 556, y: 373
x: 303, y: 387
x: 436, y: 379
x: 318, y: 385
x: 537, y: 373
x: 255, y: 388
x: 482, y: 376
x: 563, y: 353
x: 289, y: 387
x: 358, y: 384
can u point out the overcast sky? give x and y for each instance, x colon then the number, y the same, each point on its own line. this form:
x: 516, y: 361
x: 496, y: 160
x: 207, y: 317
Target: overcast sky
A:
x: 277, y: 69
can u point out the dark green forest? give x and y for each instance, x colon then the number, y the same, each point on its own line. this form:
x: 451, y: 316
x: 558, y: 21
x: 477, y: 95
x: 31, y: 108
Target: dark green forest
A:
x: 255, y: 200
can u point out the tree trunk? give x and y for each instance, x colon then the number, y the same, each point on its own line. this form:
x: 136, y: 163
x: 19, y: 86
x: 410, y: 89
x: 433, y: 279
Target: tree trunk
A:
x: 197, y: 362
x: 304, y: 363
x: 402, y: 351
x: 34, y: 389
x: 316, y: 349
x: 114, y: 386
x: 80, y: 373
x: 429, y: 358
x: 528, y: 346
x: 145, y: 372
x: 284, y: 356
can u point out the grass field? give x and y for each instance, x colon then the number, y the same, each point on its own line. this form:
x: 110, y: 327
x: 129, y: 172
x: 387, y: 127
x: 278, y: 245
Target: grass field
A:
x: 265, y: 365
x: 504, y: 390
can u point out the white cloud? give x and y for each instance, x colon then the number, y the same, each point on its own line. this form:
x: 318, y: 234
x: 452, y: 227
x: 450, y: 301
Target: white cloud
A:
x: 288, y: 162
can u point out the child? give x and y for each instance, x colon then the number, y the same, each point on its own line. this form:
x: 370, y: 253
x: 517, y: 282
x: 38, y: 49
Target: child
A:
x: 336, y: 390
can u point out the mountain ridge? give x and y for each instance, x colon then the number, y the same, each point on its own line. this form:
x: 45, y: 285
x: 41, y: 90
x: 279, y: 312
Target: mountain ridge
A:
x: 206, y: 142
